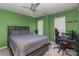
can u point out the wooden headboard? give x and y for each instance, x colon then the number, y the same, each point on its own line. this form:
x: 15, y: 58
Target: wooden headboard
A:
x: 18, y: 28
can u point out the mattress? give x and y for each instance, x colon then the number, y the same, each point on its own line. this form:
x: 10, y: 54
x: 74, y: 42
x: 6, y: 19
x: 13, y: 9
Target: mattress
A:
x: 22, y: 45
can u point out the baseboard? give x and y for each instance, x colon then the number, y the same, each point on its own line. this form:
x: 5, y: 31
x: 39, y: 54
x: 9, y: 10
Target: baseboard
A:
x: 3, y: 47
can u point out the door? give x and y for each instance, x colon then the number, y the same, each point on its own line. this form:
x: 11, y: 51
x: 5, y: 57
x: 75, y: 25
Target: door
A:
x: 59, y: 23
x: 40, y: 27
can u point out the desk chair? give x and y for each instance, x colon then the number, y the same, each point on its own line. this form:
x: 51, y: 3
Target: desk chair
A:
x: 64, y: 44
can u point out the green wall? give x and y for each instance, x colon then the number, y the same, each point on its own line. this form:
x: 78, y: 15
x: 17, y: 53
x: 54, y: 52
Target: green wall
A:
x: 70, y: 15
x: 45, y: 25
x: 8, y: 18
x: 78, y: 19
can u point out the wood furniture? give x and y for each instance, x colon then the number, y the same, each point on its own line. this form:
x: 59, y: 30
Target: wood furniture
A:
x: 40, y: 51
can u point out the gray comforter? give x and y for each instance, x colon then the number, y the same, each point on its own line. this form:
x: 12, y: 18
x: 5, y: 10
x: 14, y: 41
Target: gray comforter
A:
x: 22, y: 45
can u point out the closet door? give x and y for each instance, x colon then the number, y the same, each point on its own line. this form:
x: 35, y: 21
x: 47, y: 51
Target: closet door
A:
x: 40, y: 27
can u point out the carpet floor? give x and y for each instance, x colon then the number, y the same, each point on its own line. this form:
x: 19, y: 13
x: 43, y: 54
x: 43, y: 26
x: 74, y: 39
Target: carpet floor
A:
x: 51, y: 52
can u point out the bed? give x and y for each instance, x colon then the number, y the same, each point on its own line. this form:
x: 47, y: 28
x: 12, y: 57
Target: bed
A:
x: 23, y: 43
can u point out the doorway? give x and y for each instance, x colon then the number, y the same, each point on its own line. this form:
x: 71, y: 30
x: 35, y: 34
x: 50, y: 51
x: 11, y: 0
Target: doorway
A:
x: 59, y: 24
x: 40, y: 27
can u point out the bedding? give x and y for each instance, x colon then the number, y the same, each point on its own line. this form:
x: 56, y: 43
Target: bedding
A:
x: 24, y: 44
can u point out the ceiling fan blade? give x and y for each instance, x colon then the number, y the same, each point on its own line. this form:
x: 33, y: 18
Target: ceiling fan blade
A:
x: 37, y: 4
x: 33, y: 6
x: 26, y: 7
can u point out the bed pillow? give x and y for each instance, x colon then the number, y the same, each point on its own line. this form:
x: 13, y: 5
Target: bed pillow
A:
x: 15, y: 32
x: 24, y: 32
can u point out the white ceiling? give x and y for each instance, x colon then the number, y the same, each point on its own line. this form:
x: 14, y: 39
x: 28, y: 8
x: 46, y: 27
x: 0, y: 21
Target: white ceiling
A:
x: 42, y: 9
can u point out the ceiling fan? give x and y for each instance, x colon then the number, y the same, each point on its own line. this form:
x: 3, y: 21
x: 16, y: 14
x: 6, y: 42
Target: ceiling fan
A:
x: 33, y: 7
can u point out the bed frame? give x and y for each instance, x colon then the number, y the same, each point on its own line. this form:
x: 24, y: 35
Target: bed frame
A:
x: 38, y: 52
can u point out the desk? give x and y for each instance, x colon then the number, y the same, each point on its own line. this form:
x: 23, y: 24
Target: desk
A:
x: 74, y: 43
